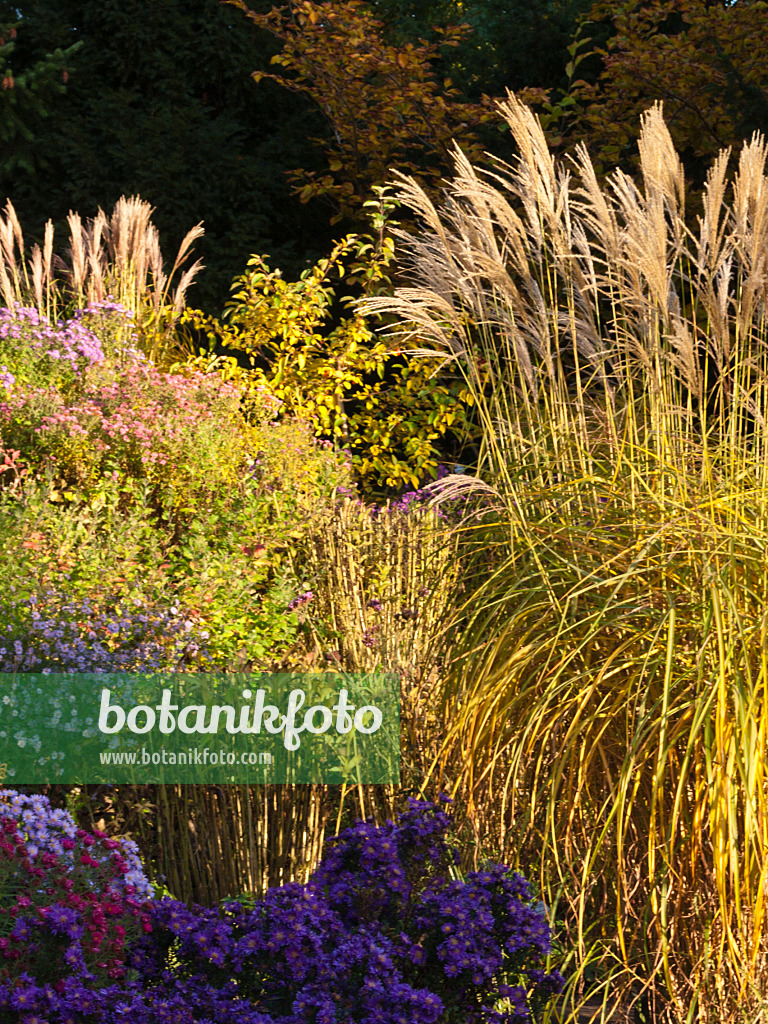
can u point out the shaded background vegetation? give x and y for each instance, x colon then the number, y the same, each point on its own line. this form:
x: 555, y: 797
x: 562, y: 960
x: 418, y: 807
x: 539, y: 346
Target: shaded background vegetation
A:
x: 158, y: 100
x: 106, y: 99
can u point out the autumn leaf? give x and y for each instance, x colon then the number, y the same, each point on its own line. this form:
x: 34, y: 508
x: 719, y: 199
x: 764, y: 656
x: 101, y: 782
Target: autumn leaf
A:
x: 382, y: 101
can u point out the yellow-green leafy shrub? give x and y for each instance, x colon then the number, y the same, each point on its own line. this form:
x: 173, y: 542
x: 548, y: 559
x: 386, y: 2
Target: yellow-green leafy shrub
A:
x: 388, y: 408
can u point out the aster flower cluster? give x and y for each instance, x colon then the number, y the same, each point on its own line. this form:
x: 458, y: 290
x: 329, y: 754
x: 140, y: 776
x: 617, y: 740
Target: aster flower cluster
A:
x: 292, y: 959
x: 65, y: 405
x: 418, y: 499
x: 116, y: 327
x: 136, y: 415
x: 46, y: 830
x: 381, y: 934
x: 71, y: 905
x: 451, y: 510
x: 299, y: 600
x: 57, y: 634
x: 48, y: 347
x: 369, y: 637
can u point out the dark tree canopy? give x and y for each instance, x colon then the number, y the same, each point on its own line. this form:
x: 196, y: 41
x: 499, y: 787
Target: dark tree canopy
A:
x: 100, y: 98
x: 513, y: 44
x: 159, y: 102
x: 27, y: 90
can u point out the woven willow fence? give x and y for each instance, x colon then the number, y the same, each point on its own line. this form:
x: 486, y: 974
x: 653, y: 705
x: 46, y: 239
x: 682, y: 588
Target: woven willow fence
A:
x: 381, y: 583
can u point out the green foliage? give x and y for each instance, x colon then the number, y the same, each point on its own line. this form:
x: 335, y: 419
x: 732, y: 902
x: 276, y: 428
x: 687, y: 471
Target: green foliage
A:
x: 149, y: 485
x: 26, y: 94
x: 512, y: 45
x: 235, y: 567
x: 388, y: 409
x: 178, y: 439
x: 229, y: 568
x: 81, y: 545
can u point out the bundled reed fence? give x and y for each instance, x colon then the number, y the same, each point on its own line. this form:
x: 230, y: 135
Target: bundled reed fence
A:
x: 384, y: 579
x: 213, y: 842
x: 387, y: 581
x: 382, y: 582
x: 206, y: 843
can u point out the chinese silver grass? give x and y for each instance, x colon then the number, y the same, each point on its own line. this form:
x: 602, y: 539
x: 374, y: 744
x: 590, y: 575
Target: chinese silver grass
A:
x: 606, y: 698
x: 117, y: 257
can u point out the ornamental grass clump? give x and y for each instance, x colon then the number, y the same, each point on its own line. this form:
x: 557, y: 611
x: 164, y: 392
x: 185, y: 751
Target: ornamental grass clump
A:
x: 606, y: 704
x: 110, y: 259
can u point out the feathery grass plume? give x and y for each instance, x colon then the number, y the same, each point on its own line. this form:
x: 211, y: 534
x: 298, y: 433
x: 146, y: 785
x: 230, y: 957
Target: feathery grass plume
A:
x: 22, y: 282
x: 77, y: 256
x: 6, y: 287
x: 120, y: 256
x: 48, y: 262
x: 13, y: 222
x: 154, y: 263
x: 37, y: 276
x: 14, y: 280
x: 117, y: 256
x: 96, y: 257
x: 606, y: 701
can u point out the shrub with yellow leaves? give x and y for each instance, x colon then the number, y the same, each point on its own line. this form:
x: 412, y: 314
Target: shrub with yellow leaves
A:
x: 387, y: 407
